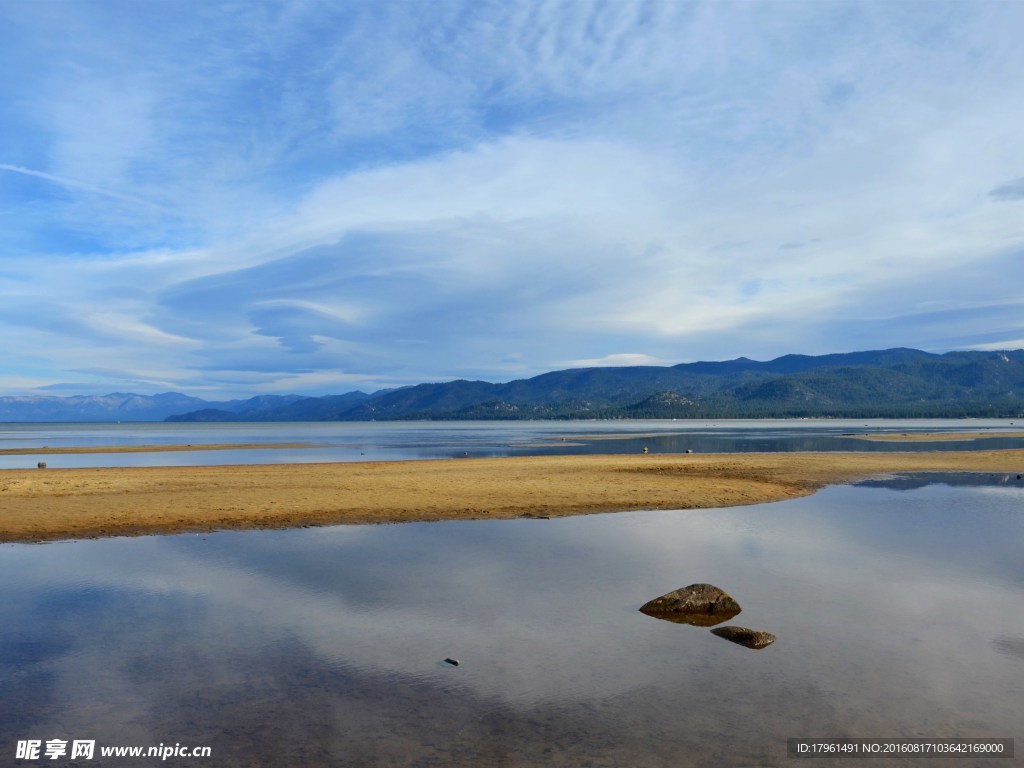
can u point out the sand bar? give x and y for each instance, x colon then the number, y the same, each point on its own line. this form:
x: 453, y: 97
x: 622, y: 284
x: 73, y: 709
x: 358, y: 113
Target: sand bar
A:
x: 934, y: 437
x: 150, y: 448
x: 615, y: 436
x: 44, y: 504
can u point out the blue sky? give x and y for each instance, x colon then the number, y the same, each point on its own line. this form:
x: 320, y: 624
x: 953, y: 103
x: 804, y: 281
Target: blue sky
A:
x: 233, y: 198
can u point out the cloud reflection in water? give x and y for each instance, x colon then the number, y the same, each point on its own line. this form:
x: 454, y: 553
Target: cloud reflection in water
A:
x: 315, y: 644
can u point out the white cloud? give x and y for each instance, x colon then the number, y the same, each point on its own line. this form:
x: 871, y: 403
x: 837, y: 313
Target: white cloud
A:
x: 999, y: 345
x: 619, y: 359
x: 399, y: 194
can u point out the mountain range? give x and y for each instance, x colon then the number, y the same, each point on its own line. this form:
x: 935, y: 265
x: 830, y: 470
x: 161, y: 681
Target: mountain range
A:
x: 901, y: 382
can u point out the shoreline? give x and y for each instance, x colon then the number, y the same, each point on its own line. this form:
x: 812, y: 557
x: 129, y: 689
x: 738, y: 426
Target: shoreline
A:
x: 170, y: 448
x: 54, y: 504
x: 934, y: 437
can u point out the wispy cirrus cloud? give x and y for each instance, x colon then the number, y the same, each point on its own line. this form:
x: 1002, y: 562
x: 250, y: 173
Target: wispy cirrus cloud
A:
x: 77, y: 185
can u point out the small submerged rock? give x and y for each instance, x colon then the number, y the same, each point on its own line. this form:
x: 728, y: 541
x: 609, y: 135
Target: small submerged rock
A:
x: 749, y: 638
x: 702, y: 605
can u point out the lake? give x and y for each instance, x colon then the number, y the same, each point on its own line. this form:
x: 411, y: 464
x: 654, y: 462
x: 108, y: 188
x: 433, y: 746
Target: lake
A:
x: 394, y: 441
x: 897, y: 604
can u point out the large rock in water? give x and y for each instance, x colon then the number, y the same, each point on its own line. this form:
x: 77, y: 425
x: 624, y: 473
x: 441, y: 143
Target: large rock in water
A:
x: 747, y: 637
x: 703, y: 605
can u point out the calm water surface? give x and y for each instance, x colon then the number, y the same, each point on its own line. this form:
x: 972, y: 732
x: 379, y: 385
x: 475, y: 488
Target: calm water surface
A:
x: 897, y: 606
x: 390, y: 441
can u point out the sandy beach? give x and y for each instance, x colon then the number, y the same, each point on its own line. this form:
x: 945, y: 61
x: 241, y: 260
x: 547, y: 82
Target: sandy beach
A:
x: 48, y: 504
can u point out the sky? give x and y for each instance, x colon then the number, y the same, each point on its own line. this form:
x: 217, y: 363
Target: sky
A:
x: 300, y: 196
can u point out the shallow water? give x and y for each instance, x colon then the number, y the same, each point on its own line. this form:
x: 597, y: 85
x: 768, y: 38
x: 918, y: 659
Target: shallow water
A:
x: 392, y: 441
x: 897, y: 612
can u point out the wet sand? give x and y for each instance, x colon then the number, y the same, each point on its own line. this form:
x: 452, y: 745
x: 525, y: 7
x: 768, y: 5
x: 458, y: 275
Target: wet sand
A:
x: 47, y: 504
x: 578, y: 440
x: 932, y: 437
